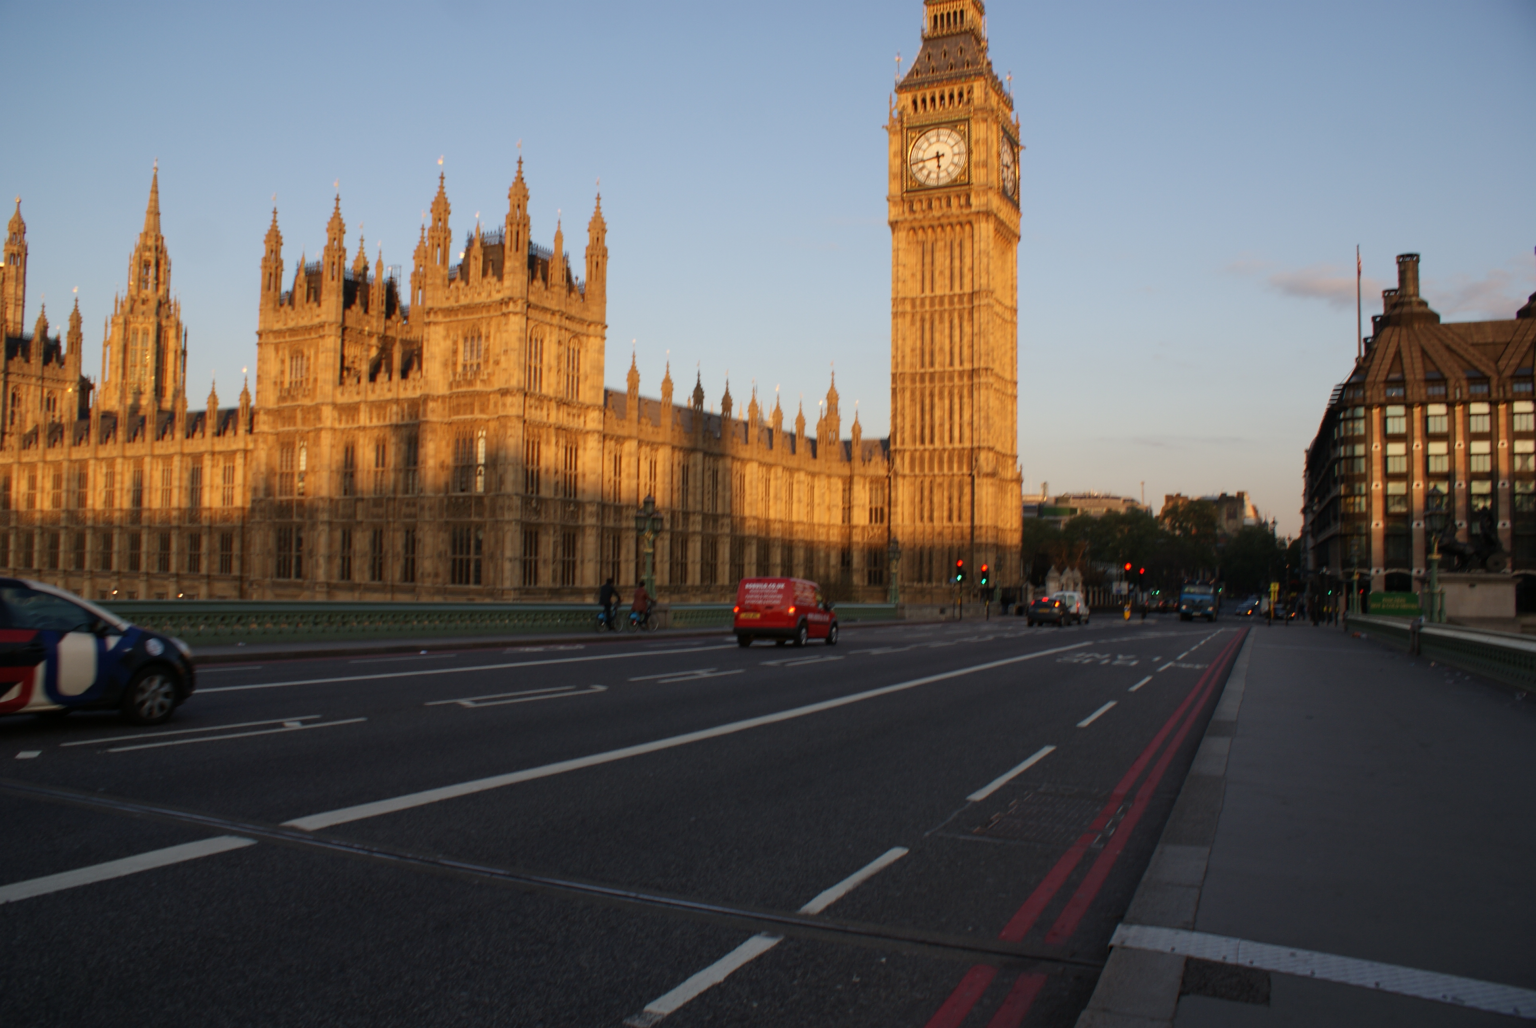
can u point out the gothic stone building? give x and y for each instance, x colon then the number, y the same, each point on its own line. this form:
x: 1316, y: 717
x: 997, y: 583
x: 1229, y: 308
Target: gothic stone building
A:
x: 1435, y: 421
x: 449, y: 436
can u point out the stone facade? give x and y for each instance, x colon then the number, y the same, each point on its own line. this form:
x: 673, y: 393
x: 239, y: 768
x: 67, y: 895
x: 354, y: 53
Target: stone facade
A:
x: 449, y: 436
x: 953, y: 202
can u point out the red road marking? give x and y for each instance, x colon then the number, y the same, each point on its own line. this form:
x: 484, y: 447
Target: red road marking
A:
x: 1020, y: 998
x: 966, y: 994
x: 1072, y: 914
x: 964, y: 997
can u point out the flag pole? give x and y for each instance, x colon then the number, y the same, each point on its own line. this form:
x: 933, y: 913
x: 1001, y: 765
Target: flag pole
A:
x: 1359, y: 318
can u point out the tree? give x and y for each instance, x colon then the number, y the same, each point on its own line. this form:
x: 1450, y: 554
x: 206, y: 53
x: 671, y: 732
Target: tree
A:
x: 1252, y: 559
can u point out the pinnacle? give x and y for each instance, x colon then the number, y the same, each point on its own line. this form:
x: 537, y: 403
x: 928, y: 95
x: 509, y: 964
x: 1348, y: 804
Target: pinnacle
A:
x: 152, y: 211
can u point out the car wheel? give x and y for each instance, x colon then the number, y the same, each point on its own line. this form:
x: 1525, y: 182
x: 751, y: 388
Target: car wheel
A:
x: 832, y: 634
x: 801, y: 635
x: 743, y: 641
x: 150, y: 698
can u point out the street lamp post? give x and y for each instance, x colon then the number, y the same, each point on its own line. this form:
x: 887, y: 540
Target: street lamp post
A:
x: 1434, y: 521
x: 648, y: 525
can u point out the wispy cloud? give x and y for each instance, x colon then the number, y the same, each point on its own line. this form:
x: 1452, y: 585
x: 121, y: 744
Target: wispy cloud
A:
x: 1495, y: 295
x: 1327, y: 282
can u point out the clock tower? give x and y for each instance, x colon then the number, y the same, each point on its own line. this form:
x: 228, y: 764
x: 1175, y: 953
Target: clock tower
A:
x: 953, y: 202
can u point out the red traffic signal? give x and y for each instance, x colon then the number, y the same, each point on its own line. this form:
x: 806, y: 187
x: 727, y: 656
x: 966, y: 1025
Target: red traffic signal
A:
x: 1127, y: 566
x: 960, y: 570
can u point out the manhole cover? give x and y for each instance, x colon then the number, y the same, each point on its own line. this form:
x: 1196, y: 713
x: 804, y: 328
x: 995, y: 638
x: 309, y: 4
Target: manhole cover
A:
x: 1047, y: 816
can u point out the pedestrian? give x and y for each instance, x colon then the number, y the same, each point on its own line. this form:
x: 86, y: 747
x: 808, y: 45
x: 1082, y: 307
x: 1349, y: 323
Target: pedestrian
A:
x: 608, y: 596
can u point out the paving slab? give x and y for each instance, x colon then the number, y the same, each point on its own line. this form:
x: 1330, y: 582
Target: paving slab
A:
x: 1353, y: 838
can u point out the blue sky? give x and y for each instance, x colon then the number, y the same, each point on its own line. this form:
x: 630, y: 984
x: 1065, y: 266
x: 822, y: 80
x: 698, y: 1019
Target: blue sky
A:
x: 1195, y: 181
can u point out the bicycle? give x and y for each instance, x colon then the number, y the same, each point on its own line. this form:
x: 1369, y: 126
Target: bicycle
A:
x: 640, y: 622
x: 606, y: 622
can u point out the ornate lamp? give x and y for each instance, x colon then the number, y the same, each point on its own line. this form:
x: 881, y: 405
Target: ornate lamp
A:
x: 648, y: 525
x: 1434, y: 522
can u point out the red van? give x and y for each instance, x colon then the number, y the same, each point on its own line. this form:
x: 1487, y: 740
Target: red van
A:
x: 784, y: 610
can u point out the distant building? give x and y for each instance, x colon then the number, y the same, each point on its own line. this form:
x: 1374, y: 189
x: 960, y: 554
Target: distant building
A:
x: 1062, y: 507
x: 1436, y: 423
x: 1233, y: 511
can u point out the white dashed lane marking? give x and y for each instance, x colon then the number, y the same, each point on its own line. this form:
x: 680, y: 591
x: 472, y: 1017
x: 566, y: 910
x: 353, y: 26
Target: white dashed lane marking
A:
x: 1091, y: 718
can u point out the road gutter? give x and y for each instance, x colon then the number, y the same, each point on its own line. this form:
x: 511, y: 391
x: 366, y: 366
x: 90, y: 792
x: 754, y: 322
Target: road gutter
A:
x: 1140, y: 987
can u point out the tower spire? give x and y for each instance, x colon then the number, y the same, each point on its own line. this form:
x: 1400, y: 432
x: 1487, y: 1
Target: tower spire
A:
x: 152, y: 211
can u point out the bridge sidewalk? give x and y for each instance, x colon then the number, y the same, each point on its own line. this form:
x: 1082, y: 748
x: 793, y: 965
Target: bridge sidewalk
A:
x: 1354, y: 836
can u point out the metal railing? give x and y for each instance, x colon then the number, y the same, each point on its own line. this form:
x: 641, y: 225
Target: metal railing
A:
x: 211, y: 622
x: 1505, y: 656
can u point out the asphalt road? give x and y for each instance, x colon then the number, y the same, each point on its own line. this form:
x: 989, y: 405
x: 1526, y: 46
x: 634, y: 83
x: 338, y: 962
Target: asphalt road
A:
x: 924, y: 825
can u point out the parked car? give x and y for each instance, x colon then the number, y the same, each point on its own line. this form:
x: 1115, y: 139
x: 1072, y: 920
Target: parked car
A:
x: 1077, y: 605
x: 60, y: 653
x: 1047, y: 610
x: 784, y: 610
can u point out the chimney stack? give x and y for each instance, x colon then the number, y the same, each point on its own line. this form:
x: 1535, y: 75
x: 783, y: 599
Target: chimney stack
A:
x: 1408, y: 275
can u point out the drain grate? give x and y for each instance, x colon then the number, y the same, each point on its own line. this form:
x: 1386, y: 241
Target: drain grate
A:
x: 1047, y: 816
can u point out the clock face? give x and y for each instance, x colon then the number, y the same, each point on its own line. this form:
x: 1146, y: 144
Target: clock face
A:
x: 1008, y: 161
x: 937, y: 157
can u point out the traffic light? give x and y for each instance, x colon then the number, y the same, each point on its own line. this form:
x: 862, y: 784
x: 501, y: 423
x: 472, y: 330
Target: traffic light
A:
x: 983, y: 574
x: 959, y: 571
x: 1127, y: 567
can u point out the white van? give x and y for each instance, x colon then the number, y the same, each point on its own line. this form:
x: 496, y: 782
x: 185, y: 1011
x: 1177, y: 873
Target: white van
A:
x: 1077, y: 606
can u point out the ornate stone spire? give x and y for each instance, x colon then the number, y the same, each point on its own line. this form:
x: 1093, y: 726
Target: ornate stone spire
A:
x: 632, y: 380
x: 800, y: 421
x: 16, y: 229
x: 360, y: 262
x: 666, y: 390
x: 152, y: 212
x: 725, y: 401
x: 76, y: 337
x: 754, y: 410
x: 213, y: 401
x: 698, y: 391
x: 778, y: 413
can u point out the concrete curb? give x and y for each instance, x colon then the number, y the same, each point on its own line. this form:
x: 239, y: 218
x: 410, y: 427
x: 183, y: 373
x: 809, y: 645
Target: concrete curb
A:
x: 1140, y: 988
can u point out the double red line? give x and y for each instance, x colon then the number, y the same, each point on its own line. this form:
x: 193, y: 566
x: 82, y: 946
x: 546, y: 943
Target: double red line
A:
x: 1022, y: 995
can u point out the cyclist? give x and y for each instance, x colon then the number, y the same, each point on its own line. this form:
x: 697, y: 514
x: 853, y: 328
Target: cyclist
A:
x: 608, y: 596
x: 641, y: 606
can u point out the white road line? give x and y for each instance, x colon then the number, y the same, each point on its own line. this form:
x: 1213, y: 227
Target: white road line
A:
x: 695, y: 678
x: 827, y: 897
x: 672, y: 674
x: 392, y: 660
x: 1166, y: 666
x: 235, y: 735
x: 408, y: 801
x: 797, y: 661
x: 473, y: 704
x: 230, y: 667
x: 423, y: 672
x: 29, y: 754
x: 1091, y: 718
x: 1139, y: 684
x: 118, y: 868
x: 469, y: 700
x: 365, y: 810
x: 1329, y: 967
x: 188, y: 731
x: 1008, y: 776
x: 754, y: 947
x: 1184, y: 654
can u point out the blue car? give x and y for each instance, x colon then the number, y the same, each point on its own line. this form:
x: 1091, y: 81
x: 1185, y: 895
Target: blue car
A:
x: 60, y: 653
